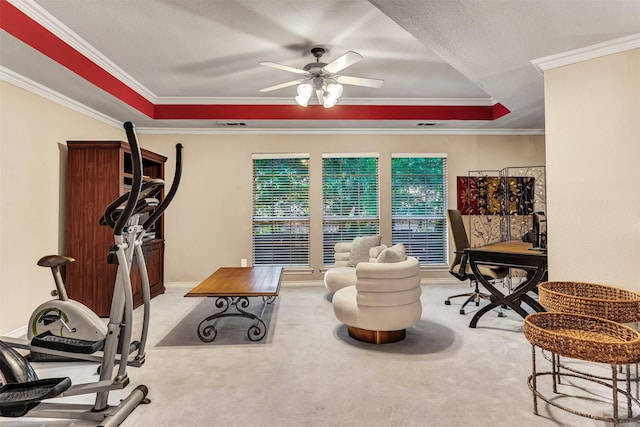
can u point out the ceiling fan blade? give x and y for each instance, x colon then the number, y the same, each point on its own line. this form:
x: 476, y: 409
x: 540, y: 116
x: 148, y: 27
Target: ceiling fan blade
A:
x: 360, y: 81
x: 282, y: 85
x: 342, y: 62
x: 283, y: 67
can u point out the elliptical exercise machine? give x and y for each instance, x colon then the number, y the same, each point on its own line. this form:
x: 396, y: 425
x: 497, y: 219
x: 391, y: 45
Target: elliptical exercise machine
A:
x: 23, y: 393
x: 62, y: 326
x: 63, y: 329
x: 63, y: 317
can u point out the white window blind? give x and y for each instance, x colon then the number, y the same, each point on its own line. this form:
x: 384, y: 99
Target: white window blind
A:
x: 350, y: 199
x: 281, y: 210
x: 419, y: 205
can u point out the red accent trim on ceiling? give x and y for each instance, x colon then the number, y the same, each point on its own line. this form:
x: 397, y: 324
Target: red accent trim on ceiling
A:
x: 24, y: 28
x: 499, y: 110
x: 317, y: 112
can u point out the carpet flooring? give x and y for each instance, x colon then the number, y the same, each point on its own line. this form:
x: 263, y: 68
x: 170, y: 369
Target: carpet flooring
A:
x: 308, y: 372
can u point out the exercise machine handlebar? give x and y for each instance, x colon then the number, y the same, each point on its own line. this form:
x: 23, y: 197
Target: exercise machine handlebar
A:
x: 136, y: 161
x: 157, y: 213
x: 147, y: 201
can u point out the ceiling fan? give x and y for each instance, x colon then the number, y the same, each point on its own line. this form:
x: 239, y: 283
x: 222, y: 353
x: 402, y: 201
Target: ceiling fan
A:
x: 322, y: 78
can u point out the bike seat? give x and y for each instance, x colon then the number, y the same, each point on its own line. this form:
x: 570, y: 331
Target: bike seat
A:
x: 54, y: 260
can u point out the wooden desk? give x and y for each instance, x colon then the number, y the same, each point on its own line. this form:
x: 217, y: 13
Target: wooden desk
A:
x: 510, y: 254
x: 232, y: 286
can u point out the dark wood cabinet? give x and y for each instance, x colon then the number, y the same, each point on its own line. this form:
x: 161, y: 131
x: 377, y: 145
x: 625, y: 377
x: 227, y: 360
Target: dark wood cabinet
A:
x: 97, y: 173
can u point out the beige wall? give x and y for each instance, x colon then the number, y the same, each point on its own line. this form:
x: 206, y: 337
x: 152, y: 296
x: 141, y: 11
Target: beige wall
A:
x: 593, y: 149
x: 33, y: 135
x: 209, y: 223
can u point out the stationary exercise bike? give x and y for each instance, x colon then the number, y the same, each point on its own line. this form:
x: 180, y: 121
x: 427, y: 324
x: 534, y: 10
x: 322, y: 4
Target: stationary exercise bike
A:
x: 64, y: 317
x: 24, y: 392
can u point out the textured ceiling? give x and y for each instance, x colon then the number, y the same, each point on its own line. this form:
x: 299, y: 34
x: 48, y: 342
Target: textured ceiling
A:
x: 194, y: 64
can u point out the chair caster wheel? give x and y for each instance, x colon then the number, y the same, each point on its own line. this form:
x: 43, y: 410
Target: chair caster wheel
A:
x: 502, y: 315
x: 447, y: 302
x: 477, y: 304
x: 462, y: 311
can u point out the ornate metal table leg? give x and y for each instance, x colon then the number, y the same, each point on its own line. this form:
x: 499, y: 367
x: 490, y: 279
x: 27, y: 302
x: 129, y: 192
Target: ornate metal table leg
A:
x: 256, y: 331
x: 208, y: 333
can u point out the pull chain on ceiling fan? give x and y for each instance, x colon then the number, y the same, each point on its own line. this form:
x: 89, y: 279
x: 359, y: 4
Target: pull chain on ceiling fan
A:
x: 322, y: 78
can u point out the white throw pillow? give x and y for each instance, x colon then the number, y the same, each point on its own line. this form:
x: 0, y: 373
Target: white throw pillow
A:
x: 395, y: 253
x: 360, y: 249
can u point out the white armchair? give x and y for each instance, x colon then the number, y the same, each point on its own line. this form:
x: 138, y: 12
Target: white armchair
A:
x: 384, y: 301
x: 343, y: 274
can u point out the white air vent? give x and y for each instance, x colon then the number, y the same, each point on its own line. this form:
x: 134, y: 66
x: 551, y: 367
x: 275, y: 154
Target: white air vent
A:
x: 230, y: 124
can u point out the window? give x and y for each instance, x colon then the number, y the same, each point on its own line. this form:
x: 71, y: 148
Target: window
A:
x: 419, y: 205
x: 281, y: 210
x: 349, y: 199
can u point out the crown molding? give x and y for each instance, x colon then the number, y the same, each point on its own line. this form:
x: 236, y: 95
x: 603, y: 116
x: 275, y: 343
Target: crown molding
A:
x: 29, y: 85
x: 64, y: 33
x: 335, y: 131
x: 590, y: 52
x: 177, y: 100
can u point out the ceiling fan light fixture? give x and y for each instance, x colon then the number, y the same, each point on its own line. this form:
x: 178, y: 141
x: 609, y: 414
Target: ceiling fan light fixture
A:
x: 302, y: 101
x: 329, y: 101
x: 334, y: 89
x: 304, y: 94
x: 305, y: 89
x: 322, y: 78
x: 331, y: 94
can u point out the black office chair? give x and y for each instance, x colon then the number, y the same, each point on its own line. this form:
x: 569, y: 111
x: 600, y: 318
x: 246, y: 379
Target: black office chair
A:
x: 460, y: 268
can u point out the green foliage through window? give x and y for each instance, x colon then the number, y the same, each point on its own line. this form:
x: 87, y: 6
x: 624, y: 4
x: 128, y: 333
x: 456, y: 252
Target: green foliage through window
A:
x: 350, y: 205
x: 419, y: 207
x: 281, y: 211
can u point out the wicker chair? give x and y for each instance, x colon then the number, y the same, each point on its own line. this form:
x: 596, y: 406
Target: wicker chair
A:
x: 587, y: 338
x: 591, y: 299
x: 586, y: 322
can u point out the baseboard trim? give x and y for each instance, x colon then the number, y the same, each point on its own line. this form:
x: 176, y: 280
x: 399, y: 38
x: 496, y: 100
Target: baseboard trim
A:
x: 18, y: 333
x: 181, y: 284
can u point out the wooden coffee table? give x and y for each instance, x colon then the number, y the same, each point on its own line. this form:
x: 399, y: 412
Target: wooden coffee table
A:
x: 233, y: 286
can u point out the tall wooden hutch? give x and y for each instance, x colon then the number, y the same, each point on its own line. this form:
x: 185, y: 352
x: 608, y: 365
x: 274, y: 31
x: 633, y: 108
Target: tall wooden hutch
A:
x: 98, y: 172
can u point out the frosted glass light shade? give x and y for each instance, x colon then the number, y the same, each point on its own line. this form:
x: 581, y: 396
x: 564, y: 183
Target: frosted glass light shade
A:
x: 304, y: 94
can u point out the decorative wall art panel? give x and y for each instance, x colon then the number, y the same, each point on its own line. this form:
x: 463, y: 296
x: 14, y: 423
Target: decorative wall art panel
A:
x: 485, y: 195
